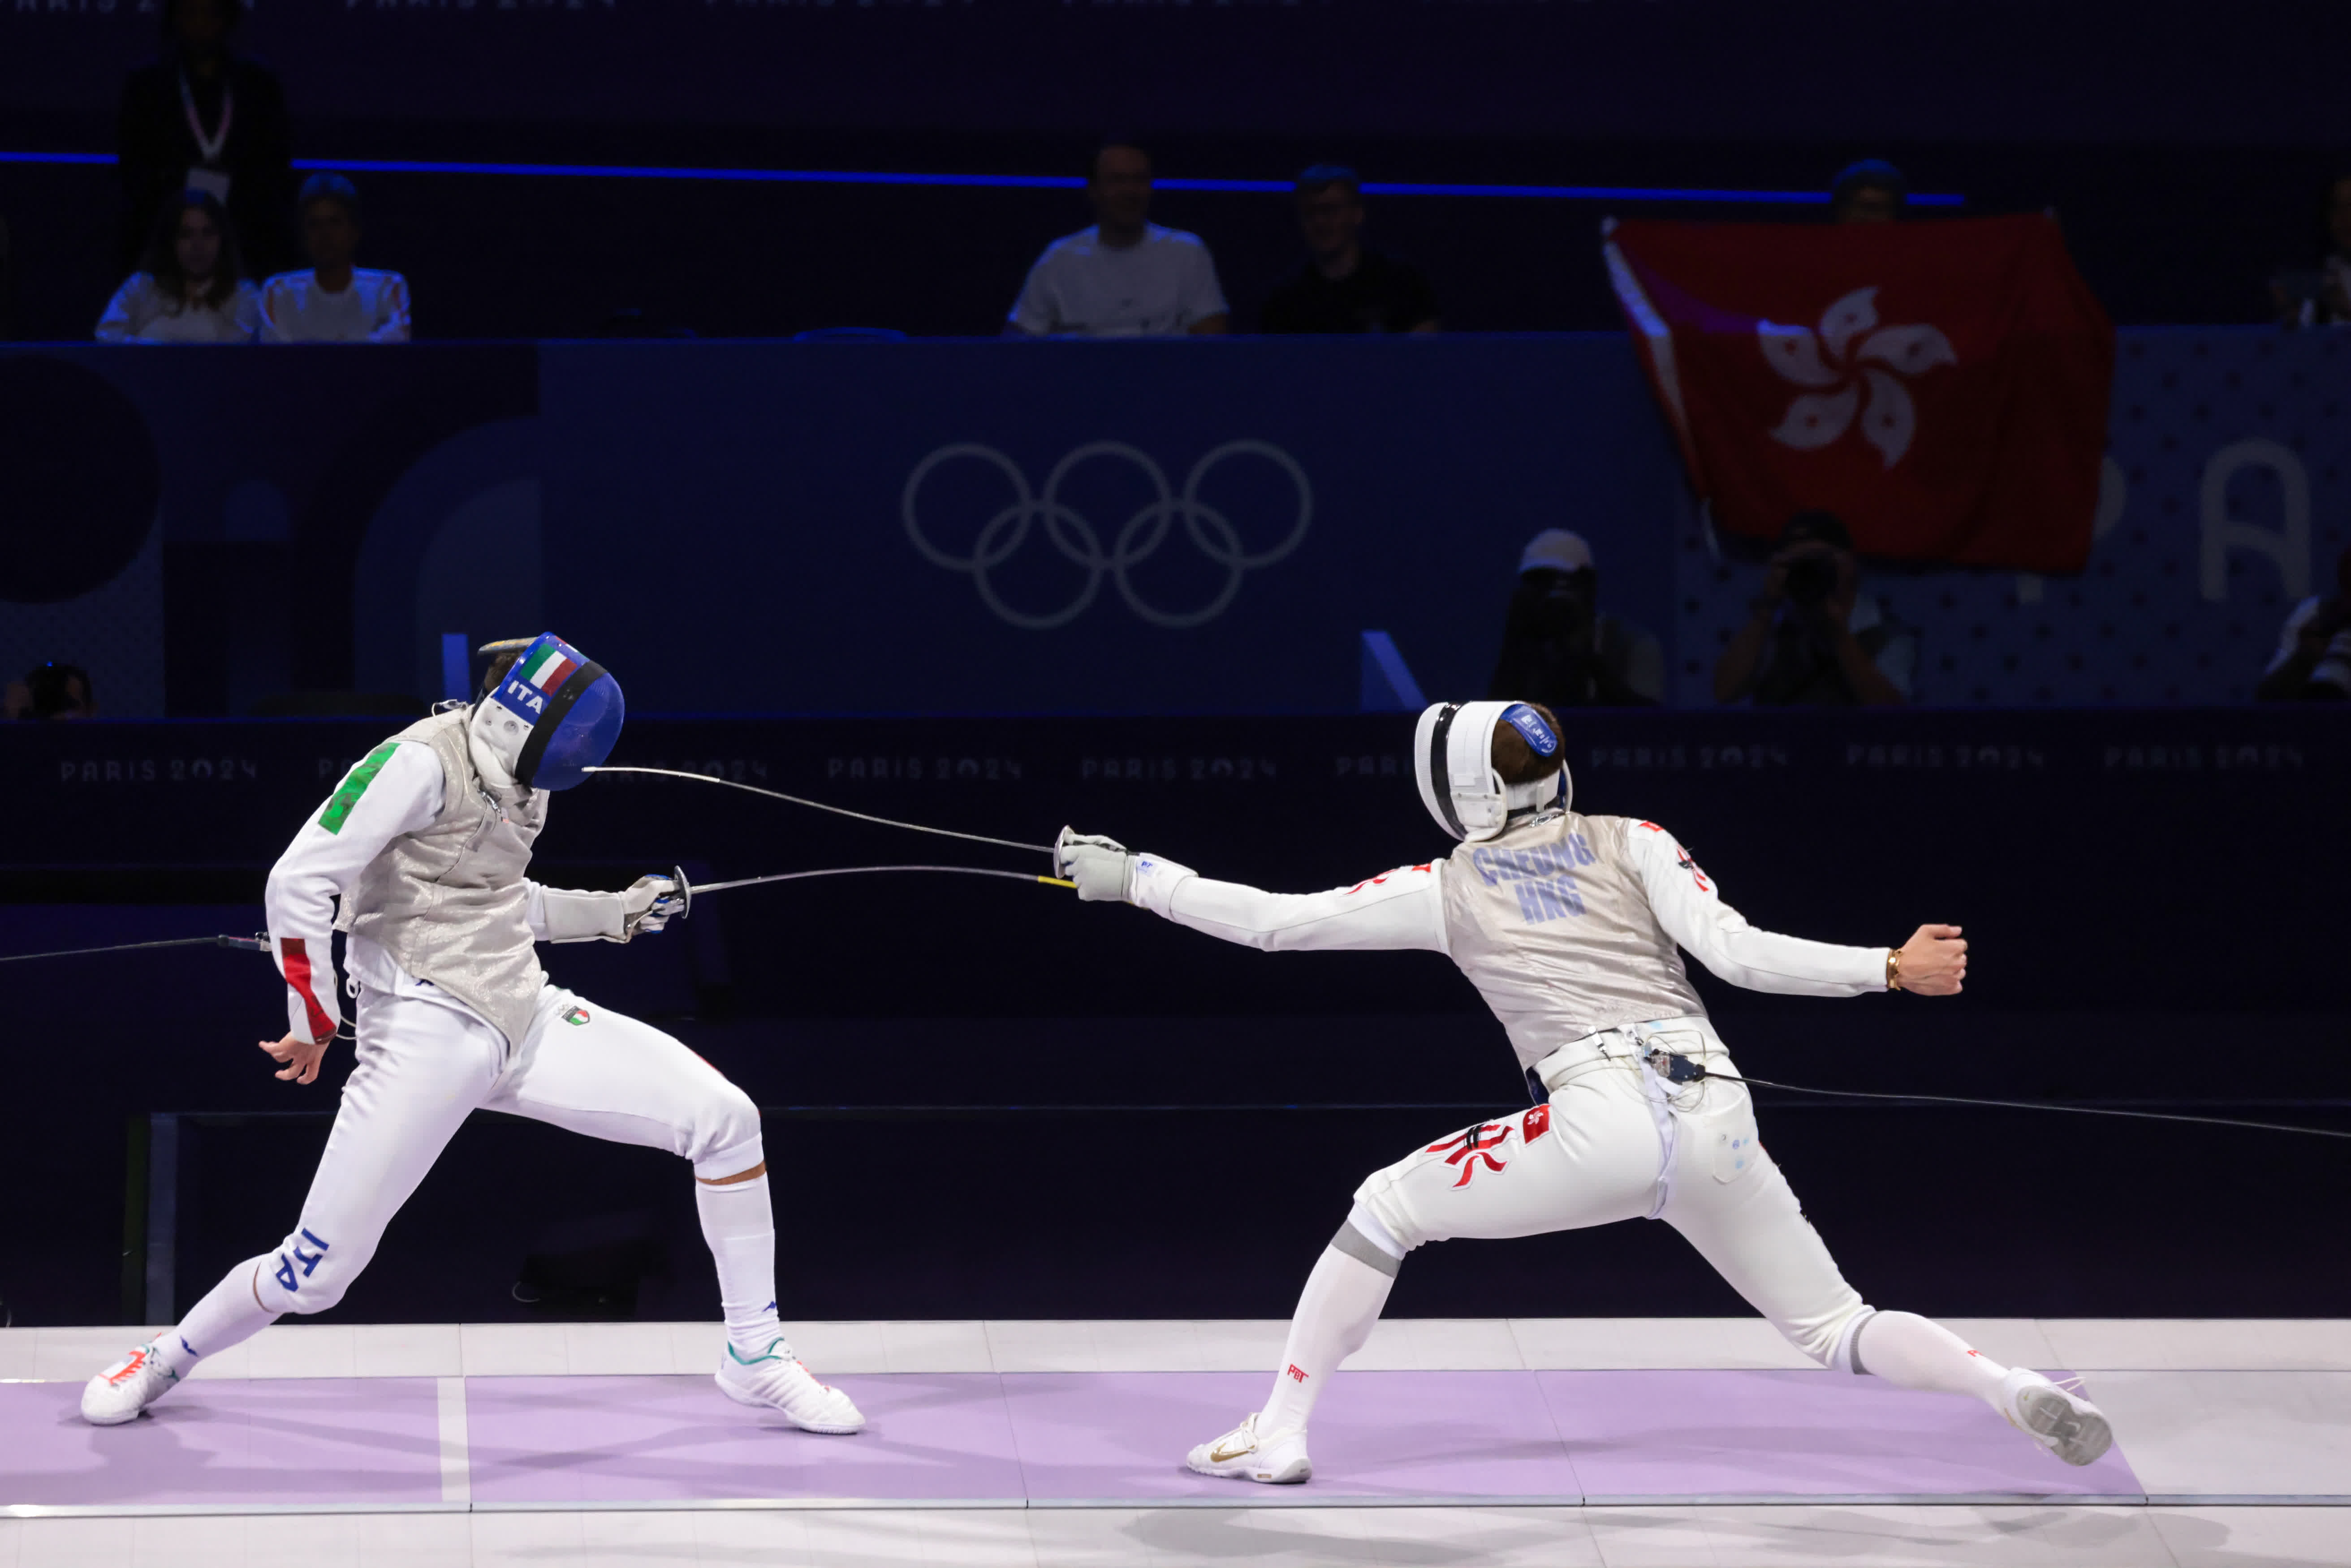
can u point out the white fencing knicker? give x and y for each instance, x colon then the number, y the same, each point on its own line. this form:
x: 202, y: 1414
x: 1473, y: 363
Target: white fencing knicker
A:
x: 1616, y: 1141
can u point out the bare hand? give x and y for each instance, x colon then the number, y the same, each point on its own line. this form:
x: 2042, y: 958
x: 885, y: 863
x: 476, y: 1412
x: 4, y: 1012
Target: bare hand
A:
x: 1935, y: 961
x: 302, y: 1059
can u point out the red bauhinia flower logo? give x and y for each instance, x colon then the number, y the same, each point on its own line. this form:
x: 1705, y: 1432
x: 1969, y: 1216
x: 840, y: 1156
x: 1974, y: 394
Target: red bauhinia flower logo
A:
x: 1845, y: 374
x: 1473, y: 1145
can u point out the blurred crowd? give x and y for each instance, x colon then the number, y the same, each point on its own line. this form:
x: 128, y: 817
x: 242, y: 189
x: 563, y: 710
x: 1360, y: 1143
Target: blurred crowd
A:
x: 215, y: 230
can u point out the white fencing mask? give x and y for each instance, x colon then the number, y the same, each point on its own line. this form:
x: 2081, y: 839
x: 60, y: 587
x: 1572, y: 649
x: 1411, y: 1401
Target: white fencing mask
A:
x: 1453, y: 762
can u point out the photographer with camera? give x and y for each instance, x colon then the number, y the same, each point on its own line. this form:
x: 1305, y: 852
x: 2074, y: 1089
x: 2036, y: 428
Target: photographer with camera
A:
x: 1814, y: 639
x: 2312, y: 663
x: 1559, y: 649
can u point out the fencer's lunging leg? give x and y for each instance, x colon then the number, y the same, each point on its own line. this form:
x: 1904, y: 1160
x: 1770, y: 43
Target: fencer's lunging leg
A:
x: 1336, y: 1311
x: 1745, y: 1219
x: 739, y: 1225
x: 1912, y: 1352
x: 1341, y: 1301
x: 609, y: 1076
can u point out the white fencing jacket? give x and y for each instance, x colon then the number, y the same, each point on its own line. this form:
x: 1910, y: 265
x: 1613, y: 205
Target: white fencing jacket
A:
x: 1567, y: 925
x: 399, y: 791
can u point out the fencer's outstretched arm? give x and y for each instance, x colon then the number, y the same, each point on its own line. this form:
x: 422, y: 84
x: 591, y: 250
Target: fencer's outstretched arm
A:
x: 1691, y: 908
x: 394, y: 790
x: 1401, y: 908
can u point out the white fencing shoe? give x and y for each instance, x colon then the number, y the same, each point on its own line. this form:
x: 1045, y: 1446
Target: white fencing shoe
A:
x: 2058, y: 1419
x: 128, y: 1387
x: 777, y: 1381
x: 1277, y: 1461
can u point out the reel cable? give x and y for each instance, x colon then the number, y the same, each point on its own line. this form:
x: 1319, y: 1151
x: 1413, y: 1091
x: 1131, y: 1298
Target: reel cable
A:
x: 1687, y: 1070
x: 836, y: 811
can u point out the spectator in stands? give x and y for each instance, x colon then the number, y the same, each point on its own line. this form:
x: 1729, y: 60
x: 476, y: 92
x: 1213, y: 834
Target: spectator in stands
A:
x: 1814, y: 639
x: 1559, y: 649
x: 201, y: 116
x: 1126, y: 277
x: 1345, y: 286
x: 190, y: 291
x: 333, y: 302
x: 2321, y: 297
x: 2313, y: 656
x: 50, y: 691
x: 1870, y: 191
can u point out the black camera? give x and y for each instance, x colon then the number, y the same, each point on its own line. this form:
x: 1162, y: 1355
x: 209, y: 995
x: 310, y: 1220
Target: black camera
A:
x: 1811, y: 578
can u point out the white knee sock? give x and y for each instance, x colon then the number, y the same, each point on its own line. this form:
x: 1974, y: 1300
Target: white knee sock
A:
x: 227, y: 1315
x: 1912, y: 1352
x: 741, y: 1230
x: 1335, y: 1313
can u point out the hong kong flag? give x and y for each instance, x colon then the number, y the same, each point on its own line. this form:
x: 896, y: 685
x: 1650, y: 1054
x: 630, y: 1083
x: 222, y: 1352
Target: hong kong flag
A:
x: 1942, y: 386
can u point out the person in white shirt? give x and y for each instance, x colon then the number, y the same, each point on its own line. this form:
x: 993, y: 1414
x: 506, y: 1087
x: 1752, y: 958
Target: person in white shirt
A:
x: 333, y: 302
x: 1126, y: 277
x: 190, y: 291
x: 1570, y: 928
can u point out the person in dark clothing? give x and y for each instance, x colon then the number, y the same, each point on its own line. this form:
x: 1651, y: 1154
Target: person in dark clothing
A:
x: 50, y: 691
x: 1345, y: 286
x: 1870, y: 191
x: 1814, y: 638
x: 200, y: 117
x: 1559, y: 649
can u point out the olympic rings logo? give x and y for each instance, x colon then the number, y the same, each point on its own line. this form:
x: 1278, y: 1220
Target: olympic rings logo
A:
x: 1138, y: 538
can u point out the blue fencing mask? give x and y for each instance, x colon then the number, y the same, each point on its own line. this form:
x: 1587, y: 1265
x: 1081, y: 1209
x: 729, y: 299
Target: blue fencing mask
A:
x: 552, y: 715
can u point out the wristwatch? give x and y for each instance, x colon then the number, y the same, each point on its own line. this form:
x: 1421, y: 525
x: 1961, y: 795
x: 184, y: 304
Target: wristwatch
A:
x: 1893, y: 969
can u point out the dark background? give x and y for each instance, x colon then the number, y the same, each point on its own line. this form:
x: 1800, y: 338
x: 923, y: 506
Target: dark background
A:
x: 990, y: 1101
x: 2185, y: 145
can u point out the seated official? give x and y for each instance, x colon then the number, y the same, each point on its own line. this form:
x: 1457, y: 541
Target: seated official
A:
x: 1126, y: 277
x: 1345, y: 286
x: 333, y: 302
x: 189, y: 291
x: 1814, y: 639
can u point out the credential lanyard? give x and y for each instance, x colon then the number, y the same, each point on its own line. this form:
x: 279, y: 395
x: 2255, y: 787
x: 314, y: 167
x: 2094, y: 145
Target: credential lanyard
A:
x: 207, y: 147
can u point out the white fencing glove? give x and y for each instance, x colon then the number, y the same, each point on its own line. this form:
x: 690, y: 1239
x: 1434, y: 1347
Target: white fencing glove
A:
x: 647, y: 904
x: 1100, y: 866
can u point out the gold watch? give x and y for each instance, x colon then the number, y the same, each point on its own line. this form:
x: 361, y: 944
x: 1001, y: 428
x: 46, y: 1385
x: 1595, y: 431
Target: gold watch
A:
x: 1893, y: 969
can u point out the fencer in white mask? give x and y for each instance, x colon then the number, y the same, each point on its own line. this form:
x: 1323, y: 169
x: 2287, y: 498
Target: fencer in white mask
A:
x: 426, y: 843
x: 1571, y: 927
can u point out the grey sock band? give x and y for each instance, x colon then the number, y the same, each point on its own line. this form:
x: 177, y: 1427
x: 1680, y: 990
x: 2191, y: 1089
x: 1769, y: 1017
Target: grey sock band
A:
x: 1847, y: 1356
x: 1365, y: 1250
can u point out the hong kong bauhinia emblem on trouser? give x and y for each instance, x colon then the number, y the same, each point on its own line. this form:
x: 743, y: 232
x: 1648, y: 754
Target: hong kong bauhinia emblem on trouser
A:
x: 1207, y: 528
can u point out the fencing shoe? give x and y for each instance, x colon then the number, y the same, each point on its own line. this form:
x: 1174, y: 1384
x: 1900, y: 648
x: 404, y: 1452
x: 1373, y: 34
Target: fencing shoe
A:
x: 779, y: 1381
x: 2060, y: 1420
x: 128, y: 1387
x: 1278, y: 1459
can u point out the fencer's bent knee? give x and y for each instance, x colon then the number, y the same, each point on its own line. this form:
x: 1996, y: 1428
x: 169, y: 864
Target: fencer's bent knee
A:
x: 726, y: 1140
x: 307, y: 1274
x: 1362, y: 1237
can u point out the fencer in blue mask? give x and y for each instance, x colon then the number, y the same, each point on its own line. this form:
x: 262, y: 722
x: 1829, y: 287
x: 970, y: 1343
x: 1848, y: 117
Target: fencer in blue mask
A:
x: 426, y: 844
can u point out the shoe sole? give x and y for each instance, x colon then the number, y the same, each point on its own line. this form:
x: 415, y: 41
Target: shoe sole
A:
x: 1298, y: 1473
x: 124, y: 1419
x: 2075, y: 1435
x: 834, y: 1429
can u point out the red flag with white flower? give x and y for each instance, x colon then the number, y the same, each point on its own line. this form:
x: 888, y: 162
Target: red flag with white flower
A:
x: 1942, y: 386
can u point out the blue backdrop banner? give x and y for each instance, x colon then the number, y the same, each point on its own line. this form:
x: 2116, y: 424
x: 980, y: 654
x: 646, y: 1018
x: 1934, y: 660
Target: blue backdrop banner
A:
x: 967, y: 527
